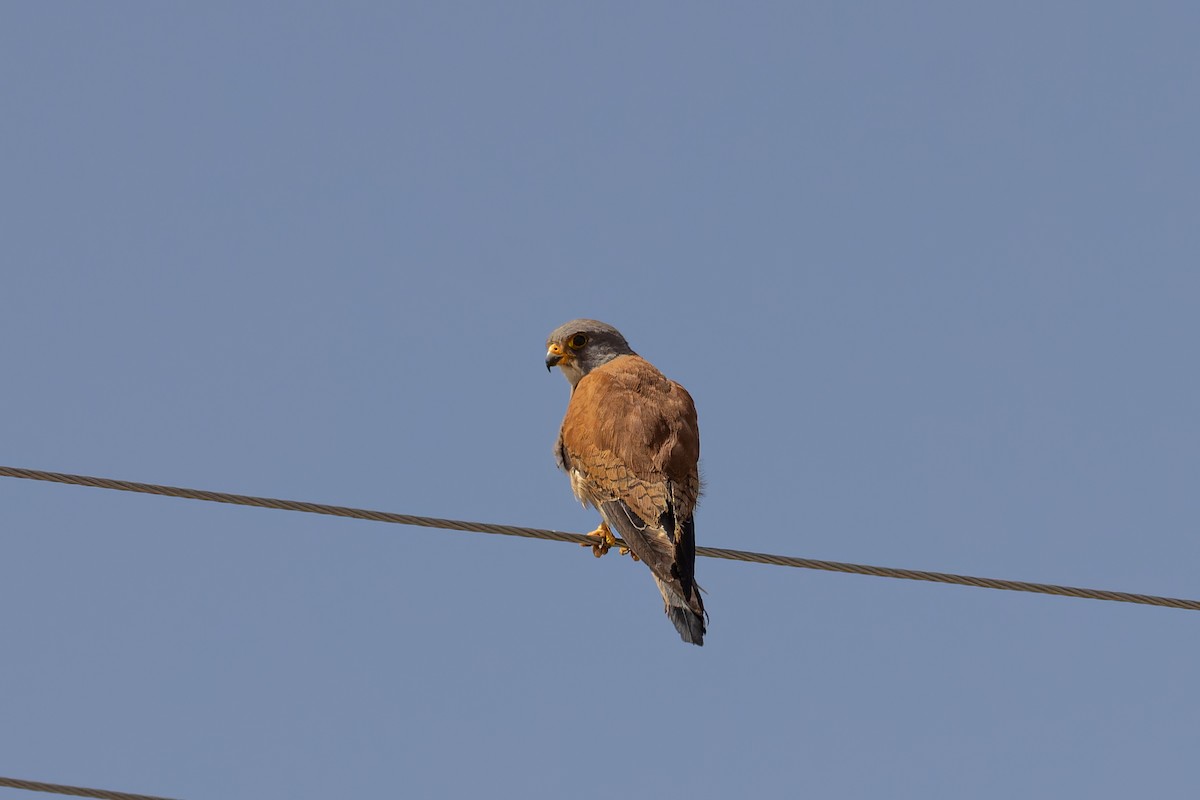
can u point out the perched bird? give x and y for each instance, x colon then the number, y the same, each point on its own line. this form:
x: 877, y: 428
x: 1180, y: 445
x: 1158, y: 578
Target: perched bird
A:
x: 630, y: 443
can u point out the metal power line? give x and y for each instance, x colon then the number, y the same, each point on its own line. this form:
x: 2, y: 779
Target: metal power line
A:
x: 74, y: 791
x: 577, y: 538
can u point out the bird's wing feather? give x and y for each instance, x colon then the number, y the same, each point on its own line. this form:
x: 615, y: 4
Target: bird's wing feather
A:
x: 631, y: 436
x: 628, y: 409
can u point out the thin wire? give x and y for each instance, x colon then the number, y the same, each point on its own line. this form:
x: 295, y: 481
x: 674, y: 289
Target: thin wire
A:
x: 577, y: 538
x: 76, y: 791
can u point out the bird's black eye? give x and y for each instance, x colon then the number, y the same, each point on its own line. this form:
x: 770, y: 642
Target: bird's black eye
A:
x: 577, y: 341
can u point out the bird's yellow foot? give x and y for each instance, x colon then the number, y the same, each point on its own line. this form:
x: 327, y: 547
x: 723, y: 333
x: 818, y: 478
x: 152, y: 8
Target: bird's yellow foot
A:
x: 607, y: 540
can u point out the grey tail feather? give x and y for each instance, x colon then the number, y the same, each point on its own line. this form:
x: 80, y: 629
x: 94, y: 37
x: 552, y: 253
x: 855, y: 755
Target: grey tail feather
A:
x: 689, y: 624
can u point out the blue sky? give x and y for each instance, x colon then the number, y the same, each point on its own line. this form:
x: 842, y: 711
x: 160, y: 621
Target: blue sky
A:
x: 929, y: 270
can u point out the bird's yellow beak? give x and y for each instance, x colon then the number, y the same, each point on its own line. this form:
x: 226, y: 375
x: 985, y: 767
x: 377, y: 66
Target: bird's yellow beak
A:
x: 555, y: 355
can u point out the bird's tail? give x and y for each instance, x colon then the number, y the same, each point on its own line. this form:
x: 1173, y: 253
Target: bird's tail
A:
x: 687, y: 617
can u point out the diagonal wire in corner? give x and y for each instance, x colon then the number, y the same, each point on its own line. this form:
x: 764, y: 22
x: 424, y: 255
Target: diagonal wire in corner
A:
x: 578, y: 538
x: 74, y: 791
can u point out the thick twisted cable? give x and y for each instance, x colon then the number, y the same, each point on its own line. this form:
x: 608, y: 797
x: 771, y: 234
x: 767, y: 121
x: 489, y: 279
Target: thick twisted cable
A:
x: 577, y: 538
x: 74, y: 791
x: 294, y: 505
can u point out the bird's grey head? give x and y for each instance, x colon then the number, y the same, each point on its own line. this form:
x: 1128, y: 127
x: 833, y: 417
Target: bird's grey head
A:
x: 581, y: 345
